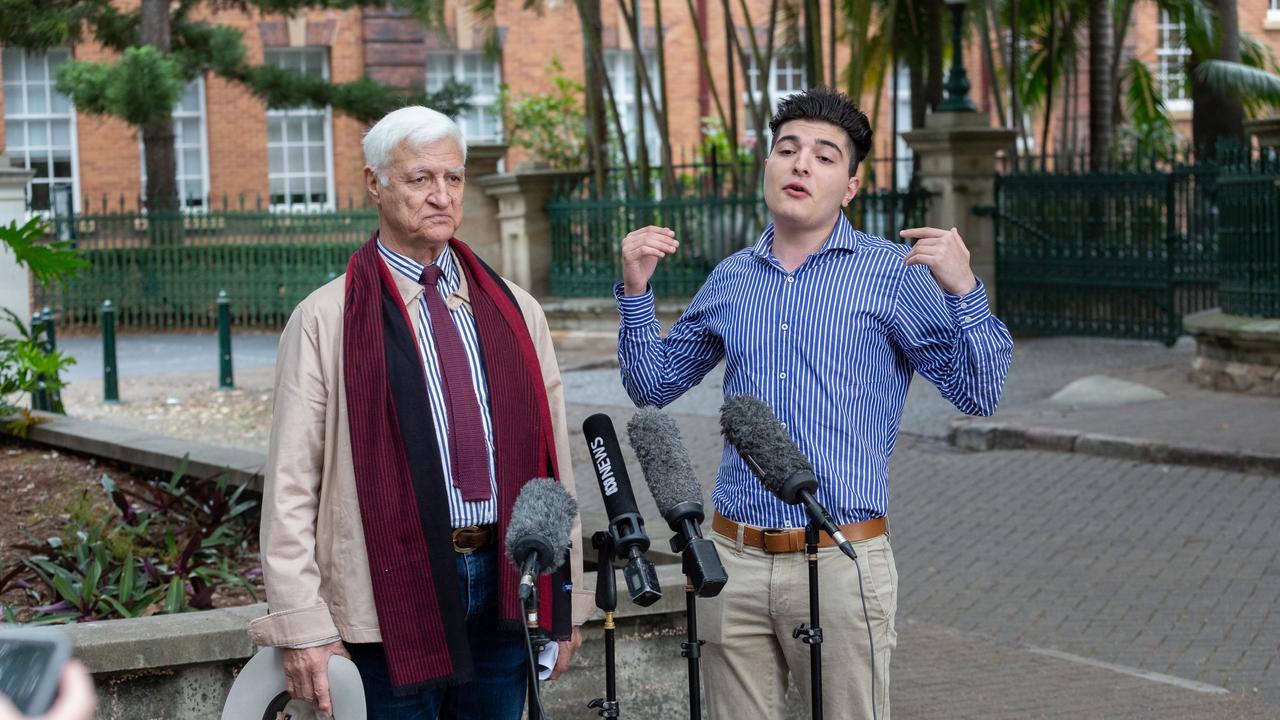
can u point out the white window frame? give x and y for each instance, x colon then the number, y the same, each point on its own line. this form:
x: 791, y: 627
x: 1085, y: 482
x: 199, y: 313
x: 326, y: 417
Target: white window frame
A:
x: 181, y: 143
x: 1273, y: 12
x: 444, y: 65
x: 783, y: 65
x: 25, y: 118
x: 283, y: 115
x: 1171, y: 62
x: 902, y: 150
x: 620, y: 65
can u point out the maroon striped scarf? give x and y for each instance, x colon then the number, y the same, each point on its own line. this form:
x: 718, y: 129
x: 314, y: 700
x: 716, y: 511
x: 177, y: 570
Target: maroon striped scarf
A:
x: 399, y: 478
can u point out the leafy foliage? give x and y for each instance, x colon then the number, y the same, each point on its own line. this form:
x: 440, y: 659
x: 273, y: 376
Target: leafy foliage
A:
x: 551, y: 126
x: 26, y: 364
x: 163, y: 549
x: 1151, y: 133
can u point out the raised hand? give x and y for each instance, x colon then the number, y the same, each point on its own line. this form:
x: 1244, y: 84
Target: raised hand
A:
x: 641, y: 251
x: 944, y: 253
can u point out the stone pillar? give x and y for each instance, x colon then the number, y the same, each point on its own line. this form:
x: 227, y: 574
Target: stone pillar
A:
x: 479, y: 210
x: 957, y: 152
x: 15, y: 284
x: 1267, y: 130
x: 524, y: 255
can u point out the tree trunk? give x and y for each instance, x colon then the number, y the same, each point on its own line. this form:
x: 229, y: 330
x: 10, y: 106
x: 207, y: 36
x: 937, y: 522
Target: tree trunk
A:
x: 1216, y: 116
x: 157, y: 137
x: 813, y: 43
x: 934, y: 21
x: 1101, y: 97
x: 593, y: 93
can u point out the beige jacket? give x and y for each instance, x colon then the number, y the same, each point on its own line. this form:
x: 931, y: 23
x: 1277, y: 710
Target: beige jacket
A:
x: 313, y: 553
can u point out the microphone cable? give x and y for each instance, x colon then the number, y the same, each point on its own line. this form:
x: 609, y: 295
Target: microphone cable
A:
x: 536, y: 691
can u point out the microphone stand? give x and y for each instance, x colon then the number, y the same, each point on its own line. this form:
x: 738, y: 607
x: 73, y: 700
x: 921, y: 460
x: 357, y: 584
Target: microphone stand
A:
x: 606, y: 600
x: 691, y: 648
x: 811, y: 635
x: 534, y: 641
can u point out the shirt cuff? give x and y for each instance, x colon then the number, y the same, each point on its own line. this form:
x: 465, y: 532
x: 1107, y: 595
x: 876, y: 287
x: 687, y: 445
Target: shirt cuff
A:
x: 971, y: 309
x: 636, y: 310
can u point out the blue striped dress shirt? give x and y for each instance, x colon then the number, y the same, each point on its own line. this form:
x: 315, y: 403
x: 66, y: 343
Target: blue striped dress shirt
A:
x: 831, y: 347
x: 461, y: 512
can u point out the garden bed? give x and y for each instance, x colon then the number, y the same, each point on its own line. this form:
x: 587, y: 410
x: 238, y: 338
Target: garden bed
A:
x: 102, y: 540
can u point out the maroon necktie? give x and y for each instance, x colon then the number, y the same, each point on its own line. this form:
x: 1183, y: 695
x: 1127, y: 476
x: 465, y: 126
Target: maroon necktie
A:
x: 468, y: 454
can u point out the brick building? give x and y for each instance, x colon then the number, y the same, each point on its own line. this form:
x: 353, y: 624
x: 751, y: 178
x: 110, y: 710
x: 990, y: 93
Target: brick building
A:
x: 229, y: 145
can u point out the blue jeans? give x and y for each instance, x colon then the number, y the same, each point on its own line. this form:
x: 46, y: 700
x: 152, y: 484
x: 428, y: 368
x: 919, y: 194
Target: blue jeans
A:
x: 497, y: 690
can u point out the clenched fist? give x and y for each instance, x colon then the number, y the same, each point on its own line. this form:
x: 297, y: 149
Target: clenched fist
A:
x: 944, y: 253
x: 641, y: 251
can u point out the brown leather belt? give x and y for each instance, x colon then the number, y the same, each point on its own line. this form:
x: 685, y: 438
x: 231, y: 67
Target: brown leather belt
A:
x: 474, y: 537
x: 784, y: 541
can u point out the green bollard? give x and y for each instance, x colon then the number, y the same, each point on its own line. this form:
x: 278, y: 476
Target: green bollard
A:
x: 225, y: 379
x: 40, y: 399
x: 110, y: 386
x: 51, y: 345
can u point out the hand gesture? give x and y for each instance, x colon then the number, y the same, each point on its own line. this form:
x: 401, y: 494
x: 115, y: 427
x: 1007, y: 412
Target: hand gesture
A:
x: 944, y: 253
x: 567, y: 649
x: 641, y: 251
x: 306, y: 673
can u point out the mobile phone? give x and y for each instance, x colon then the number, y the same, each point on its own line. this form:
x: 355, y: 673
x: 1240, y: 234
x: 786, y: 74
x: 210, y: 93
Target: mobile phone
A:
x: 31, y: 661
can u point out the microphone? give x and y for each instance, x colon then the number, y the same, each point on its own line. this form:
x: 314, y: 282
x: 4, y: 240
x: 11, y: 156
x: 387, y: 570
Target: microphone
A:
x: 625, y: 523
x: 538, y: 533
x: 760, y: 439
x: 675, y: 489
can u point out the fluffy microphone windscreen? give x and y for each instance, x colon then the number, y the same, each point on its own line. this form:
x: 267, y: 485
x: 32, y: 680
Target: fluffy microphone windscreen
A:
x: 663, y: 458
x: 541, y: 519
x: 752, y: 428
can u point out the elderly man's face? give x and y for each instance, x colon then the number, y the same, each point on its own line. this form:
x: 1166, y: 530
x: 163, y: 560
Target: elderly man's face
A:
x: 421, y: 204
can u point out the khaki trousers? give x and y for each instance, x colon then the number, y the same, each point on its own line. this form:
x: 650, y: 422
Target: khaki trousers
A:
x: 748, y: 627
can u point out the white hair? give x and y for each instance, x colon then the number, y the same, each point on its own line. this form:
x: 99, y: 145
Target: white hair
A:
x: 416, y: 125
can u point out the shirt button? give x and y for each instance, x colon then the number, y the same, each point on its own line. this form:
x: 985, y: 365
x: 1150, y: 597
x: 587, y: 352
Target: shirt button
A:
x: 782, y: 376
x: 966, y: 318
x: 784, y: 326
x: 964, y: 304
x: 791, y: 278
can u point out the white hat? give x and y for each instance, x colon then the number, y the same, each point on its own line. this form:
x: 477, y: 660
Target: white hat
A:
x: 258, y: 692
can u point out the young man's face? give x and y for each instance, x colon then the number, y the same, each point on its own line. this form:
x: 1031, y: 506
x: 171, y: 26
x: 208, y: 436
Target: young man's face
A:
x: 806, y: 176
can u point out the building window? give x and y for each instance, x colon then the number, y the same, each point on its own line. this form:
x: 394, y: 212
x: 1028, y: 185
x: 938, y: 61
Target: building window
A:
x: 1273, y: 11
x: 39, y: 123
x: 786, y: 77
x: 479, y: 122
x: 621, y: 67
x: 1171, y: 63
x: 300, y: 139
x: 190, y: 147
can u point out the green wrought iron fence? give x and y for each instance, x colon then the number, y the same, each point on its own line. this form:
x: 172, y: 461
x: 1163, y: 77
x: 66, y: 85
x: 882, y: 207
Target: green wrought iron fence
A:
x: 163, y: 271
x: 1120, y: 254
x: 712, y: 222
x: 1249, y: 244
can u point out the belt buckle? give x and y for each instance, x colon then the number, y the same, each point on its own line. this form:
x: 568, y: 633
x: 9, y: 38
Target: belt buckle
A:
x: 463, y: 550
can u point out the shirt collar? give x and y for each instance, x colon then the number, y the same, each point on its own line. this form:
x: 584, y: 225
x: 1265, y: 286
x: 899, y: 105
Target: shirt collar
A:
x: 842, y: 237
x: 406, y: 268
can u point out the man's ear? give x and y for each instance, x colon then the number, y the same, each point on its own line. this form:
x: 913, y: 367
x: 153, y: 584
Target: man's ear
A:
x: 372, y: 185
x: 854, y: 183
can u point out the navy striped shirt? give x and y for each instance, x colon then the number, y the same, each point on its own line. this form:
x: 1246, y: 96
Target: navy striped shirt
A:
x: 831, y: 348
x: 461, y: 512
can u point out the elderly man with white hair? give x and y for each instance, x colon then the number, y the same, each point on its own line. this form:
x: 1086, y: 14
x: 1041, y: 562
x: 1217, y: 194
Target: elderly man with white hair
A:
x: 414, y: 397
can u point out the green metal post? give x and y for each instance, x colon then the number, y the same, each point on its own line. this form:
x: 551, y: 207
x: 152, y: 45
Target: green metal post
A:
x: 39, y: 395
x: 110, y: 386
x: 225, y: 379
x: 958, y: 80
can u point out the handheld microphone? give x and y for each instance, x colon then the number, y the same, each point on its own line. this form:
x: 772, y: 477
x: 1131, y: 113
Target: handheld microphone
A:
x: 675, y: 489
x: 762, y: 442
x: 625, y: 523
x: 538, y: 533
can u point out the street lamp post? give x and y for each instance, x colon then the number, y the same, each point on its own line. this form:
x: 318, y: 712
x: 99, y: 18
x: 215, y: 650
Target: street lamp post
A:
x: 958, y: 80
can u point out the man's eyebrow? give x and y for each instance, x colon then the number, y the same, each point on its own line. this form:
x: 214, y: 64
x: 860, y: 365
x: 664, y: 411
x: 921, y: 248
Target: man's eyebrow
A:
x: 431, y: 171
x: 795, y: 139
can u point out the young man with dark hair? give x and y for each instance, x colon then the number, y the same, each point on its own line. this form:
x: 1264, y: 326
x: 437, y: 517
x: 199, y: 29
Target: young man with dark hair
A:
x: 826, y: 325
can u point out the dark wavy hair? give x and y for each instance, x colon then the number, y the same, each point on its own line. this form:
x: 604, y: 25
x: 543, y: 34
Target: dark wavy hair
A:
x: 829, y: 106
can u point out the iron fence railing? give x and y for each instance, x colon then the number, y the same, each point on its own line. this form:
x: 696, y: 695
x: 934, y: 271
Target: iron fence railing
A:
x: 1249, y: 240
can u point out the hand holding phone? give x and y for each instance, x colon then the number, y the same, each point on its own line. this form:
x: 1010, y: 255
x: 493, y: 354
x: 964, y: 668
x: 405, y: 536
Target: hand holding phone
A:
x: 35, y: 667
